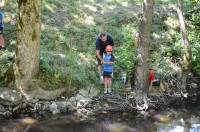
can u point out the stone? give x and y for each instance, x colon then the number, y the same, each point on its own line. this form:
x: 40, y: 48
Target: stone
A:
x: 2, y: 109
x: 84, y: 92
x: 82, y: 101
x: 7, y: 114
x: 45, y: 106
x: 73, y: 101
x: 193, y: 85
x: 93, y: 92
x: 70, y: 107
x: 10, y: 97
x: 62, y: 106
x: 54, y: 108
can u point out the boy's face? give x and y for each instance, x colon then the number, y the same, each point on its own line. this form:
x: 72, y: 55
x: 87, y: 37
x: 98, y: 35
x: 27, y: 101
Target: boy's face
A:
x: 109, y: 52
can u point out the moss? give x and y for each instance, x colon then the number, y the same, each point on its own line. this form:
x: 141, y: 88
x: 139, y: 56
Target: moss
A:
x: 34, y: 35
x: 20, y: 2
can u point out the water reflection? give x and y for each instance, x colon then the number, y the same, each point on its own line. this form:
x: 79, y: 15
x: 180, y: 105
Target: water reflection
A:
x: 186, y: 122
x: 125, y: 122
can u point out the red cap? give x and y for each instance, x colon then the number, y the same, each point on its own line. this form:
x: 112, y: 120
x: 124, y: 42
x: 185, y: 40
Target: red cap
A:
x: 109, y: 48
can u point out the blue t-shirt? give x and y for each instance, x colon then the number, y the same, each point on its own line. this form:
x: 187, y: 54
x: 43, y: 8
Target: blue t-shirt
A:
x: 108, y: 67
x: 1, y: 19
x: 102, y: 46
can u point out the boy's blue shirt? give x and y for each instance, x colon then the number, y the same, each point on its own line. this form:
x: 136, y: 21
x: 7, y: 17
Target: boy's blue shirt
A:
x: 108, y: 67
x: 1, y: 19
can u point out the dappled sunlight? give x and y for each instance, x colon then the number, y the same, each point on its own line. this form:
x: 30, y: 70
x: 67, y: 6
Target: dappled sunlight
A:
x: 156, y: 36
x: 172, y: 22
x: 62, y: 56
x: 86, y: 58
x: 47, y: 27
x: 50, y: 7
x: 124, y: 4
x: 90, y: 7
x: 89, y: 20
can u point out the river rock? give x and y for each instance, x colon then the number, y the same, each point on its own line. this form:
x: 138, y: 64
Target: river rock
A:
x: 54, y: 108
x: 193, y: 85
x: 70, y: 106
x: 73, y: 101
x: 93, y: 92
x: 2, y: 109
x: 84, y: 92
x: 82, y: 101
x: 10, y: 97
x: 61, y: 107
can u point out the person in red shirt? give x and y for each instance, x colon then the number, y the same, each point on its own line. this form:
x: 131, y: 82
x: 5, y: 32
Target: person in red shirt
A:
x: 151, y: 75
x: 152, y: 80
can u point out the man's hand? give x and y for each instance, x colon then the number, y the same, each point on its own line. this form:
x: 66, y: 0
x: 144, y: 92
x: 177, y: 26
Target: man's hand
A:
x: 102, y: 62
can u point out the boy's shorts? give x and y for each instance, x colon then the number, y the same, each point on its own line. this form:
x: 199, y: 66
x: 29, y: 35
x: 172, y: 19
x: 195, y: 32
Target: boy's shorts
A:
x: 1, y: 30
x: 107, y: 74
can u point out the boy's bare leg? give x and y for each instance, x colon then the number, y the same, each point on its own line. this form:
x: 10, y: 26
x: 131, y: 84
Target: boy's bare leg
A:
x: 150, y: 86
x: 109, y: 85
x: 105, y: 85
x: 162, y: 88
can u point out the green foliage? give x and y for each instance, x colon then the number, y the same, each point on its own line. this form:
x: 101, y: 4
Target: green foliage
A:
x: 193, y: 11
x: 66, y: 70
x: 5, y: 62
x: 125, y: 53
x: 196, y: 57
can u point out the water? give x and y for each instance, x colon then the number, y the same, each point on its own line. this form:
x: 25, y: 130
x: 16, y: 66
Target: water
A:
x: 167, y: 121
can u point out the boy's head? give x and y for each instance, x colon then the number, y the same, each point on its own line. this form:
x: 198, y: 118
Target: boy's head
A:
x: 108, y: 49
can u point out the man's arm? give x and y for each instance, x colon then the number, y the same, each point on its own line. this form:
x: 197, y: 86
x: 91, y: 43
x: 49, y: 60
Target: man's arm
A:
x: 98, y: 55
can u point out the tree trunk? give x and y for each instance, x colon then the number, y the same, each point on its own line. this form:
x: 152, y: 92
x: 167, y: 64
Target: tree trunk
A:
x: 26, y: 64
x: 141, y: 82
x: 141, y: 73
x: 187, y: 57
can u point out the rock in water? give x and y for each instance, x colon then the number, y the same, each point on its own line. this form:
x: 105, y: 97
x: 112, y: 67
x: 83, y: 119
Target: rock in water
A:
x: 54, y: 108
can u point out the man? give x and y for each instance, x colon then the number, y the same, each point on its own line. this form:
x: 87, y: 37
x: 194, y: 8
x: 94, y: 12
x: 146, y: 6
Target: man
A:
x: 102, y: 41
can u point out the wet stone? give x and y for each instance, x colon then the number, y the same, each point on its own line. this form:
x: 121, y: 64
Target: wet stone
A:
x: 2, y: 109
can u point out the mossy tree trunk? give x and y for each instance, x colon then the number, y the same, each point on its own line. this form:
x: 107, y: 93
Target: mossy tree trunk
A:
x: 141, y: 83
x: 187, y: 57
x: 143, y: 37
x: 26, y: 64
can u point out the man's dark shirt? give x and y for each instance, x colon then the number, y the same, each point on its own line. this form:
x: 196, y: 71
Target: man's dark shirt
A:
x: 102, y: 46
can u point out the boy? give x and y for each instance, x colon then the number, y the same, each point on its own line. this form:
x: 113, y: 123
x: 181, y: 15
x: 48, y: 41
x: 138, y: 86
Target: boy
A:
x: 108, y: 62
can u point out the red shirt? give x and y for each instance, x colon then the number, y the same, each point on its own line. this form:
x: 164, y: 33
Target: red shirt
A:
x: 151, y: 76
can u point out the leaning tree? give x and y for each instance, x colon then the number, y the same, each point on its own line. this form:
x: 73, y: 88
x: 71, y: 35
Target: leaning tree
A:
x: 187, y: 57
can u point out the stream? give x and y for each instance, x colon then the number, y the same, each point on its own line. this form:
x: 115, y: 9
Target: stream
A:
x: 171, y: 120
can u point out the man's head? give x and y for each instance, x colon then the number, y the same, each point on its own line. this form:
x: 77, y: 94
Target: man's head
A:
x: 103, y: 37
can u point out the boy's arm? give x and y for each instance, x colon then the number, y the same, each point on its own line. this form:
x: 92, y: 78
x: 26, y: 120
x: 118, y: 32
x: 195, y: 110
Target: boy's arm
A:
x: 112, y: 60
